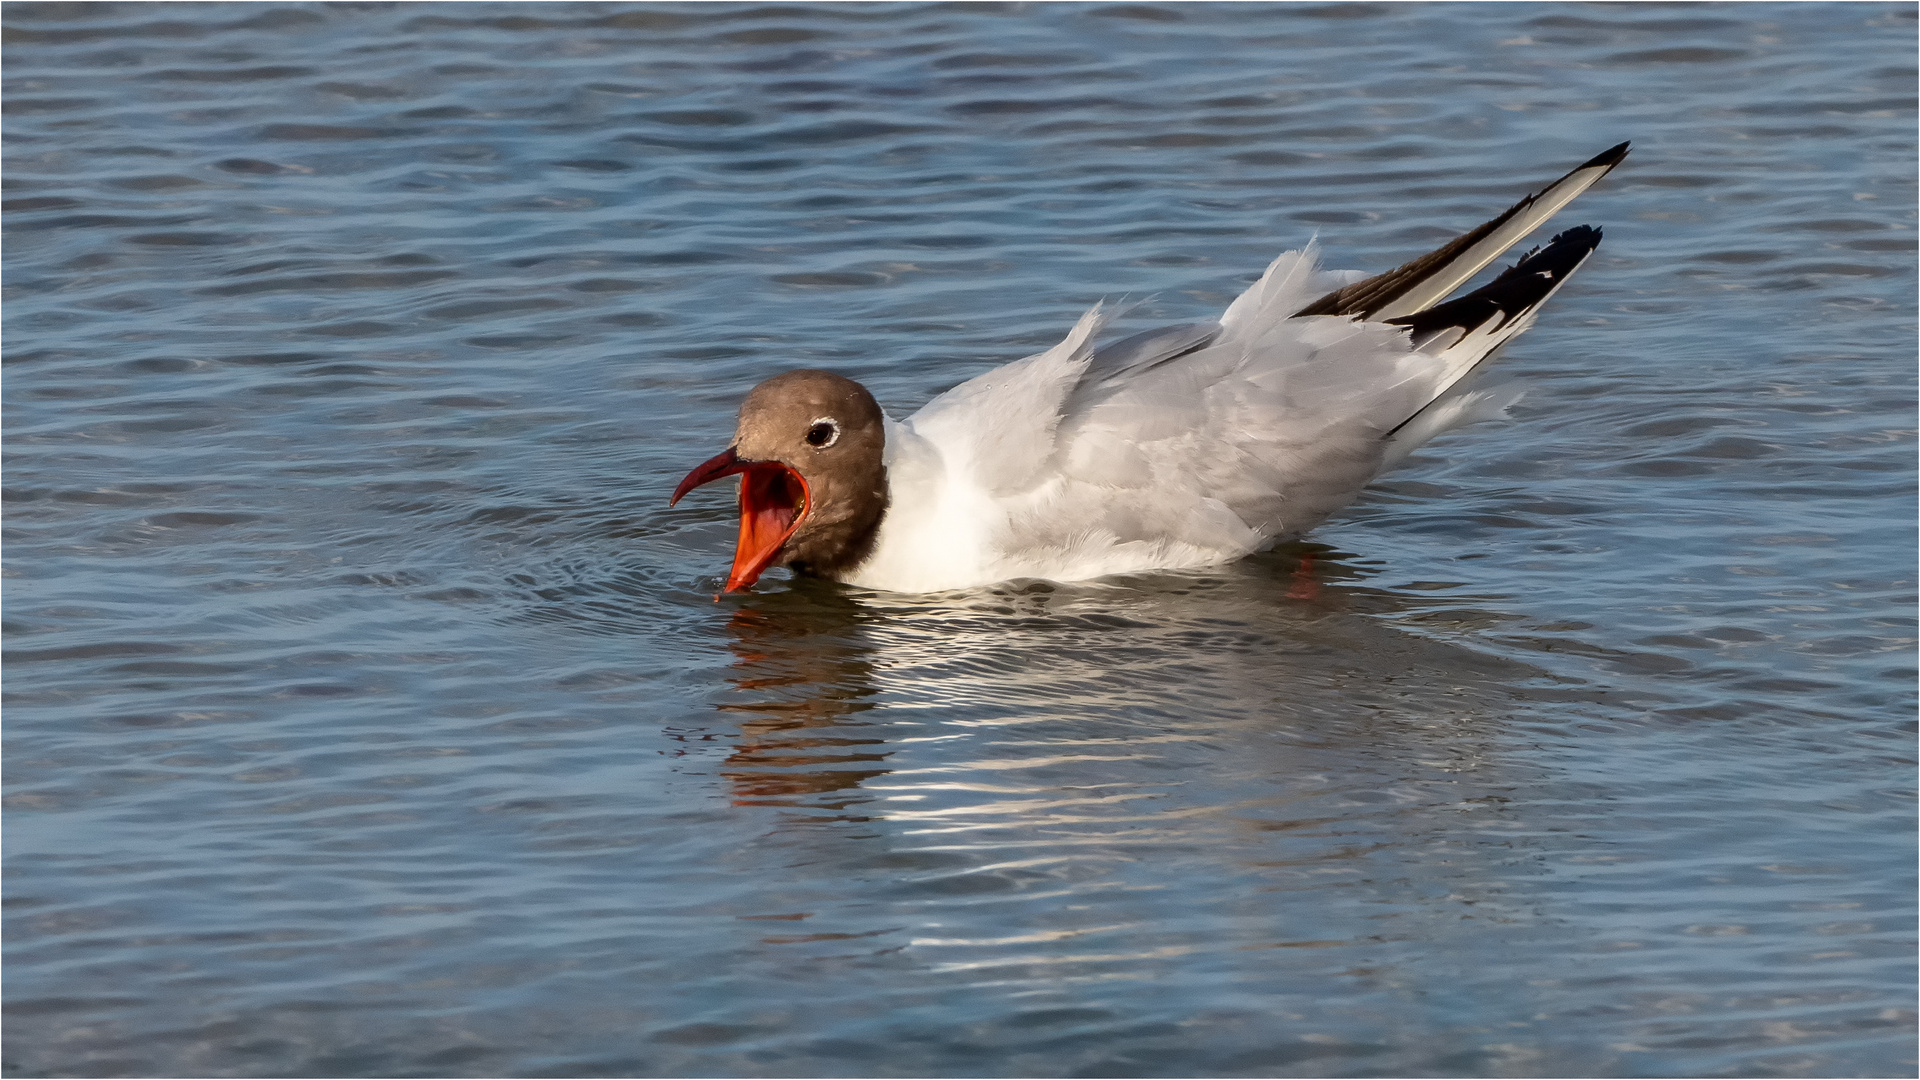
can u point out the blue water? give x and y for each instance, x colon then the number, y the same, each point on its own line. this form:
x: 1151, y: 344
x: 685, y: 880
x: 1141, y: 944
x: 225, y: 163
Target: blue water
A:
x: 369, y: 714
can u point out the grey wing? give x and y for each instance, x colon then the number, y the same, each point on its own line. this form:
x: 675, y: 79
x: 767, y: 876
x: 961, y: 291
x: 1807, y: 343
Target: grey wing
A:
x: 1147, y: 350
x: 1114, y: 366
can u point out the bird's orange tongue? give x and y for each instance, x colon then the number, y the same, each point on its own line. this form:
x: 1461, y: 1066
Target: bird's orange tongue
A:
x: 773, y: 500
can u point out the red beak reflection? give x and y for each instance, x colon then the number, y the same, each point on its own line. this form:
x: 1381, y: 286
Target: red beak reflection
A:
x: 773, y: 500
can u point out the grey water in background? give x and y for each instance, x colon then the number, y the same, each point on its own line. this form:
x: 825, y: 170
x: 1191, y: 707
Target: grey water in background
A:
x: 370, y: 714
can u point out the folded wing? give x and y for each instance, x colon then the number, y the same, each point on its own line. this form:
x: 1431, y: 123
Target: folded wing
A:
x: 1197, y: 443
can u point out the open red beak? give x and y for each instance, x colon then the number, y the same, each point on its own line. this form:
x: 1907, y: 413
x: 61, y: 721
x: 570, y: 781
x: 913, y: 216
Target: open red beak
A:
x: 773, y: 500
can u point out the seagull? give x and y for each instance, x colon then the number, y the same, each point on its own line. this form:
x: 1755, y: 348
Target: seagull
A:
x: 1178, y: 448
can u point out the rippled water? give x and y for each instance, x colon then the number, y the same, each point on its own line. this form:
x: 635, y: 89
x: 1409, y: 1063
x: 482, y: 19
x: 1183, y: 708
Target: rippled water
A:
x: 370, y: 714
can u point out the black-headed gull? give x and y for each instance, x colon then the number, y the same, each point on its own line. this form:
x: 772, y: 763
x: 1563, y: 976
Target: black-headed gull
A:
x: 1181, y: 447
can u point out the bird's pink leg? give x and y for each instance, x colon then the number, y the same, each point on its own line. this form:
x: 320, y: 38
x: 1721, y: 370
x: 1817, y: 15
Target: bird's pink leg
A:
x: 1304, y: 587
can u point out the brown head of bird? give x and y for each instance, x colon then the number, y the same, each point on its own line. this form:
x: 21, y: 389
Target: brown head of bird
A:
x: 810, y: 452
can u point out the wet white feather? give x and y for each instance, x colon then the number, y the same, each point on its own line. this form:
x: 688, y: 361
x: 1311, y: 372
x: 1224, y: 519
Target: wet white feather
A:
x: 1039, y: 469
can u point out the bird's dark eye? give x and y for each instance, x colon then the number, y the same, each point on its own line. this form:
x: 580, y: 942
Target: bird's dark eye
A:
x: 823, y: 433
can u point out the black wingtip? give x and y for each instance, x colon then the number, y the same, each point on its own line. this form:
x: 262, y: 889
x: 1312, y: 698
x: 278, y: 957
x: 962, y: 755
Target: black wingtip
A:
x: 1518, y: 289
x: 1584, y: 236
x: 1608, y: 158
x: 1363, y: 298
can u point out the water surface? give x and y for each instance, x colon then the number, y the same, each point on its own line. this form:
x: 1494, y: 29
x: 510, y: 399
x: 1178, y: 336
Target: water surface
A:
x: 370, y: 714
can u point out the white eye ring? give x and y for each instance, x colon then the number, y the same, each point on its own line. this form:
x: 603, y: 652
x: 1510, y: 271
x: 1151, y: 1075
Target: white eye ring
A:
x: 832, y: 434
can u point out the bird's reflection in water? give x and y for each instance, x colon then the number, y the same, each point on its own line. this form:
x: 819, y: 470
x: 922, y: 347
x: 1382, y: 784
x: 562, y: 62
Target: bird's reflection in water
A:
x: 802, y: 682
x: 1287, y: 647
x: 1057, y: 784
